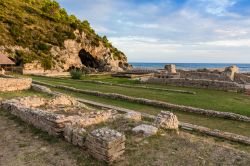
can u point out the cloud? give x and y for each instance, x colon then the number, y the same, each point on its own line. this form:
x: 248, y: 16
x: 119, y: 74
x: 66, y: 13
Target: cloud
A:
x: 169, y: 30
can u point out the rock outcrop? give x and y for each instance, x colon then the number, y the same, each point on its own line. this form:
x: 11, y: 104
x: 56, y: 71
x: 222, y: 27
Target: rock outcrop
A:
x: 44, y: 37
x: 79, y: 53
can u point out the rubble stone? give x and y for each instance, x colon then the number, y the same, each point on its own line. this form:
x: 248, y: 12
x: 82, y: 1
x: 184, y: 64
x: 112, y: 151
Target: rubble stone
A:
x: 166, y: 120
x: 41, y: 88
x: 105, y: 144
x: 14, y: 84
x: 61, y: 99
x: 135, y: 116
x: 171, y: 68
x: 146, y: 130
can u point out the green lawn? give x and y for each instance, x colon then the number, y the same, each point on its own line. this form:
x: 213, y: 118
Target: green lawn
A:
x: 205, y: 98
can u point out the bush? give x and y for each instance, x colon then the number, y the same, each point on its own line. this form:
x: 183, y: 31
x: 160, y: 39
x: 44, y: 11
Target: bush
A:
x: 76, y: 73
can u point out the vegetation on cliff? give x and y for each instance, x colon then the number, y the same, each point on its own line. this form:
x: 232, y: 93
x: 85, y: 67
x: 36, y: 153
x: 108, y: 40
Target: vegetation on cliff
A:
x: 40, y: 24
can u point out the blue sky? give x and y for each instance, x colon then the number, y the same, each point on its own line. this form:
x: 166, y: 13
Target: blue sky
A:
x: 171, y: 30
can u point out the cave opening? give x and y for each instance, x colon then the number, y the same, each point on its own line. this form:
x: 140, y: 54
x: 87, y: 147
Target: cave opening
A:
x: 87, y: 59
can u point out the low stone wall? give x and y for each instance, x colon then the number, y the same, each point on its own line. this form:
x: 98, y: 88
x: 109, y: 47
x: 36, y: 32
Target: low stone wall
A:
x: 216, y: 133
x: 242, y: 78
x: 226, y: 115
x: 46, y: 121
x: 14, y: 84
x: 219, y: 85
x: 104, y: 144
x: 203, y: 75
x: 41, y: 88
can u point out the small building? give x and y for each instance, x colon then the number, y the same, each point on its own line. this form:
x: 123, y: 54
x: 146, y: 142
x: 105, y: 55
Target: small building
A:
x: 5, y: 63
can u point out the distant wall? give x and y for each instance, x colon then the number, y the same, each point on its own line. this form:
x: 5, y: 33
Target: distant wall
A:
x: 14, y: 84
x: 203, y: 75
x: 242, y: 78
x: 202, y: 83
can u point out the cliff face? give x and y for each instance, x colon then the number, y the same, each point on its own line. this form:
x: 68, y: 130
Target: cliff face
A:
x: 79, y: 53
x: 38, y: 34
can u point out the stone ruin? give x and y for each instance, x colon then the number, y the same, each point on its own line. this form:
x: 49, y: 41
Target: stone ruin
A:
x: 167, y: 120
x: 230, y: 72
x: 14, y: 84
x: 145, y: 129
x: 171, y: 68
x: 105, y: 144
x: 228, y: 78
x: 63, y: 116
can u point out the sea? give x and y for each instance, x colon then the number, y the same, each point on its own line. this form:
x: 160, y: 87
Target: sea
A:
x: 191, y: 66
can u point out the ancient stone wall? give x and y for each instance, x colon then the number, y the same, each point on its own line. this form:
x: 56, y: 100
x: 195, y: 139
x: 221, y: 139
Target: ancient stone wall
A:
x: 14, y: 84
x: 226, y: 115
x: 203, y: 75
x: 202, y: 83
x: 242, y: 78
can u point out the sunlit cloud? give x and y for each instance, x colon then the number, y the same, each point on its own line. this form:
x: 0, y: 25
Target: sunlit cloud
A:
x: 169, y: 30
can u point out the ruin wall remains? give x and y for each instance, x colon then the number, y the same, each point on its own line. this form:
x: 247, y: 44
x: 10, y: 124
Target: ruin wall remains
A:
x: 202, y: 83
x: 14, y: 84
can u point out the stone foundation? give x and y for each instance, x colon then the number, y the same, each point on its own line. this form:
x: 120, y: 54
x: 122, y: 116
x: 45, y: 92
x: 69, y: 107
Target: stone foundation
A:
x: 146, y: 130
x: 105, y: 144
x: 210, y: 84
x: 14, y: 84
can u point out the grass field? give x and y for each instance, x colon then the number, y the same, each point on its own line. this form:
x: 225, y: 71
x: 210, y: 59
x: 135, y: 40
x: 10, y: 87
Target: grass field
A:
x: 204, y: 98
x: 192, y: 149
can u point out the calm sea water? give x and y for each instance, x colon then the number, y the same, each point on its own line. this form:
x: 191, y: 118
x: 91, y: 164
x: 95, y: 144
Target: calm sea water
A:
x: 243, y: 67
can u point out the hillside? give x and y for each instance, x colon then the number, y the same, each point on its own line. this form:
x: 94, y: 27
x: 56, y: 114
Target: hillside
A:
x: 39, y: 33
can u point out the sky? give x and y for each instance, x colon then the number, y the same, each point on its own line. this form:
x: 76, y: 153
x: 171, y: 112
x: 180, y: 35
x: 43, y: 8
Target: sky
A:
x: 181, y: 31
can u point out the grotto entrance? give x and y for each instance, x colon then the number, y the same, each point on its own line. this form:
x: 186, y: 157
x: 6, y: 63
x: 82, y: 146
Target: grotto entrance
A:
x: 87, y: 59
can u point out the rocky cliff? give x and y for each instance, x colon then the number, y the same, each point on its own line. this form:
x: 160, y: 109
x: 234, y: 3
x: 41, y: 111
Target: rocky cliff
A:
x: 38, y: 34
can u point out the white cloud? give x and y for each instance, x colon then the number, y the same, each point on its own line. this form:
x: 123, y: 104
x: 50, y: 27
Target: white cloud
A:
x: 195, y: 31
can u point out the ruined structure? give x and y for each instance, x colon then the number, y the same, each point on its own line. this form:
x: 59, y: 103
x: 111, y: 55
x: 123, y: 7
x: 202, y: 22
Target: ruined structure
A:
x: 167, y: 120
x: 14, y: 84
x: 227, y: 79
x: 105, y: 144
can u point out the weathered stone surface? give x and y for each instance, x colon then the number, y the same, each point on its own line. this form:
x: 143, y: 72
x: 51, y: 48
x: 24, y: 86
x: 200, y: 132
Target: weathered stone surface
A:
x: 46, y: 121
x: 230, y: 72
x: 90, y: 118
x: 199, y: 83
x: 146, y: 130
x: 105, y: 144
x: 29, y: 101
x: 166, y: 120
x: 41, y: 88
x: 14, y: 84
x: 61, y: 99
x: 171, y: 68
x: 134, y: 116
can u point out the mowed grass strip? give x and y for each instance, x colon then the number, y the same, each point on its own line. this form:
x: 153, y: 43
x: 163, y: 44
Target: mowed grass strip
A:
x: 205, y: 98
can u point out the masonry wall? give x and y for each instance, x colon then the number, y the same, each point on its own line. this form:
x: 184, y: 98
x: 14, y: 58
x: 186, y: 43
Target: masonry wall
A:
x: 14, y: 84
x: 242, y: 78
x: 203, y: 75
x: 212, y: 84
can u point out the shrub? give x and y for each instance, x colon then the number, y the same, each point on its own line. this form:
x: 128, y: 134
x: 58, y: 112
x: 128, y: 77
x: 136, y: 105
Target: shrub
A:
x: 76, y: 73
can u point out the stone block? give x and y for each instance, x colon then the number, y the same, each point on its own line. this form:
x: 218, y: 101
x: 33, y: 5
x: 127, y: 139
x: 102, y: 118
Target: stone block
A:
x: 146, y: 130
x: 166, y: 120
x: 134, y: 116
x: 105, y: 144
